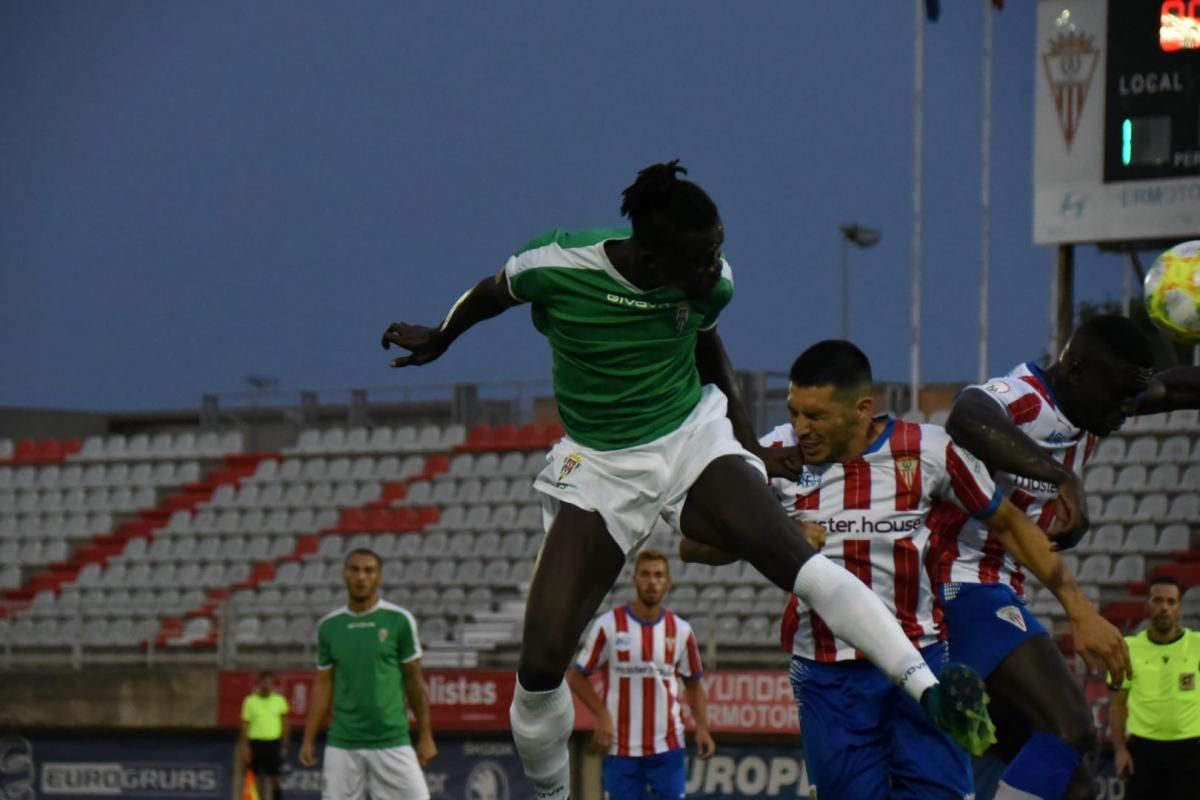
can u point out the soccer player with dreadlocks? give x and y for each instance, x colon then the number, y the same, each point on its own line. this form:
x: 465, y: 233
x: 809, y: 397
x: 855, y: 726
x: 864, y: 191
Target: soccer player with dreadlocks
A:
x: 655, y: 427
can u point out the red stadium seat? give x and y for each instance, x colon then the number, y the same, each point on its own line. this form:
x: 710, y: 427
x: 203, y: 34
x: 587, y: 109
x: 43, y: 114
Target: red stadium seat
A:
x: 27, y: 449
x: 435, y: 465
x: 379, y: 520
x: 428, y: 515
x: 72, y: 445
x: 405, y: 520
x: 552, y: 434
x: 352, y: 520
x: 531, y: 437
x: 393, y: 492
x: 481, y: 437
x: 507, y: 437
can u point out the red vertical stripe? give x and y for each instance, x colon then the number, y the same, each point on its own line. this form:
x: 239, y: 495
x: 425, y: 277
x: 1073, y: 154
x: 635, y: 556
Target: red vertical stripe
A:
x: 1018, y: 581
x: 857, y: 553
x: 1025, y: 409
x: 623, y: 700
x: 597, y: 651
x: 670, y: 629
x: 946, y: 522
x: 649, y: 706
x: 649, y: 712
x: 823, y: 641
x: 621, y: 617
x: 992, y: 561
x: 1089, y: 447
x: 907, y: 562
x: 693, y: 651
x: 789, y: 624
x: 1040, y: 388
x: 963, y: 483
x: 906, y: 454
x: 1069, y: 457
x: 857, y: 484
x: 810, y: 501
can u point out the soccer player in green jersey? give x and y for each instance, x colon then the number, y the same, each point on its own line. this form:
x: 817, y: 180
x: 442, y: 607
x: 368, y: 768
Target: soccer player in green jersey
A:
x: 655, y: 427
x: 369, y: 663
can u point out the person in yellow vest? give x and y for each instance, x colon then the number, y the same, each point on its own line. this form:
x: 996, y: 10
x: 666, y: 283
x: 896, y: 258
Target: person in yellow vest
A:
x: 1159, y: 706
x: 265, y: 735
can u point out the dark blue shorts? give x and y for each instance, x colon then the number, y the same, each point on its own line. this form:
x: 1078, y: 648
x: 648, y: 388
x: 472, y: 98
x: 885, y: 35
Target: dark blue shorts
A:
x: 866, y: 739
x: 628, y: 778
x: 986, y: 622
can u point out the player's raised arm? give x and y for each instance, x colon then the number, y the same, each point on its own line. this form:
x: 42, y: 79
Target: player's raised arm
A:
x: 1177, y: 387
x: 1095, y: 637
x: 714, y: 367
x: 979, y: 424
x: 486, y: 299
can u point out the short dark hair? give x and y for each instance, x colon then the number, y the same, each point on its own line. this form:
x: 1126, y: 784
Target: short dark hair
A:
x: 660, y: 205
x: 363, y: 551
x: 1166, y: 580
x: 1112, y: 336
x: 265, y: 673
x: 832, y: 362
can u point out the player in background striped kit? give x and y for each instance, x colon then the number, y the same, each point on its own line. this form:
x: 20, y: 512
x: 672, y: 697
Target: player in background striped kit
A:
x: 1036, y: 428
x: 642, y: 647
x: 875, y: 484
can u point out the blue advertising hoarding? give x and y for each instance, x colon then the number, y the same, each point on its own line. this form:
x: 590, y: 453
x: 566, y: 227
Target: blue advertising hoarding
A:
x: 146, y: 767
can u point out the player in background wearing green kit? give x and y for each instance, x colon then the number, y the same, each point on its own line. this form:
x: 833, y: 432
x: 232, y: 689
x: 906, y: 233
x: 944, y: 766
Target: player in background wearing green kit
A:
x: 655, y: 427
x: 369, y: 662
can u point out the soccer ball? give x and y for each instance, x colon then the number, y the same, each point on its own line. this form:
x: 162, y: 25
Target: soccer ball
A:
x: 1172, y: 291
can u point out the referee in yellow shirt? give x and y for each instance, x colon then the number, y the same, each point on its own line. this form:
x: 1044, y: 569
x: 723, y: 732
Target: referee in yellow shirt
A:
x: 1159, y: 706
x: 265, y: 734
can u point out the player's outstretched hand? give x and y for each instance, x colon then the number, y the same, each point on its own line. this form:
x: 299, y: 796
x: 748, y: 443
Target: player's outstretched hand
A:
x: 308, y: 754
x: 1102, y: 647
x: 782, y: 462
x: 424, y: 344
x: 705, y: 745
x: 958, y: 705
x: 1070, y: 515
x: 426, y: 750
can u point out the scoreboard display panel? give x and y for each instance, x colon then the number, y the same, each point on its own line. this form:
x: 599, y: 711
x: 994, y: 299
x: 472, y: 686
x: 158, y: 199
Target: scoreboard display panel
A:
x: 1152, y: 90
x: 1117, y: 121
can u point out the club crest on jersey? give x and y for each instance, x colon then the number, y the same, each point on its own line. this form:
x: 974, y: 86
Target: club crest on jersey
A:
x: 907, y: 467
x: 998, y: 387
x: 682, y: 313
x: 670, y: 642
x: 1012, y: 615
x: 569, y: 465
x: 383, y: 634
x: 1187, y: 681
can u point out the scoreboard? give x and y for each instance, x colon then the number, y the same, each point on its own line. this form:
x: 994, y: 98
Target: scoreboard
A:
x: 1117, y: 121
x: 1152, y: 90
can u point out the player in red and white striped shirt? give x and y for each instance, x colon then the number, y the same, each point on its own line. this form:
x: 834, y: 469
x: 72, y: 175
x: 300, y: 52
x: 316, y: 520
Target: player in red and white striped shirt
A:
x: 641, y: 647
x: 1036, y: 428
x: 876, y: 485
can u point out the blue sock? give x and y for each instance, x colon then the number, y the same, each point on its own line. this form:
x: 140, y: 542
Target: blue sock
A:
x: 1042, y: 769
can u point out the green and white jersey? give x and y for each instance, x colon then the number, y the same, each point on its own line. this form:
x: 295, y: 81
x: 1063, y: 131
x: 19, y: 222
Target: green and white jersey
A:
x: 365, y: 650
x: 624, y: 359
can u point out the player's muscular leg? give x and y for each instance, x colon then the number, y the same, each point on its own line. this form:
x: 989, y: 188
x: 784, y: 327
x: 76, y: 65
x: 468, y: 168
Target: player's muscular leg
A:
x: 1034, y: 681
x: 578, y: 565
x: 730, y: 506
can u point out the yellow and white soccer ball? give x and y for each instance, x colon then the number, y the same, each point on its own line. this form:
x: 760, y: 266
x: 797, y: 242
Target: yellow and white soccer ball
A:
x: 1172, y: 291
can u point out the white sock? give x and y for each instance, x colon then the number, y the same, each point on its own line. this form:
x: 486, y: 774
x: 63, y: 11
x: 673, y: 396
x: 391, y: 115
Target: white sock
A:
x: 857, y: 616
x: 541, y: 725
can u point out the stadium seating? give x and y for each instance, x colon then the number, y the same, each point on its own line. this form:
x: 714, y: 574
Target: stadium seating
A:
x: 178, y: 545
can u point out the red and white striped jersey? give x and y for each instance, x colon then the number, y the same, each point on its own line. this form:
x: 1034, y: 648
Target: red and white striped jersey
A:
x: 875, y: 511
x: 642, y: 659
x: 967, y: 552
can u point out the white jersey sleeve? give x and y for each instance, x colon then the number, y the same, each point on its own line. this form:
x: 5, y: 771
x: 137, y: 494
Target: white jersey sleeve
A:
x: 959, y: 477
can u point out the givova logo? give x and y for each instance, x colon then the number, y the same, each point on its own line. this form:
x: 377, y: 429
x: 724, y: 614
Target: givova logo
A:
x: 16, y: 768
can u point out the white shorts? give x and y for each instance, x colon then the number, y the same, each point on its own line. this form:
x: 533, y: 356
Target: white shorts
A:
x: 390, y: 773
x: 632, y: 487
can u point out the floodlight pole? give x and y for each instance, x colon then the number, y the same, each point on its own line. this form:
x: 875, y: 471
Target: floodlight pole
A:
x: 918, y: 90
x: 985, y: 193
